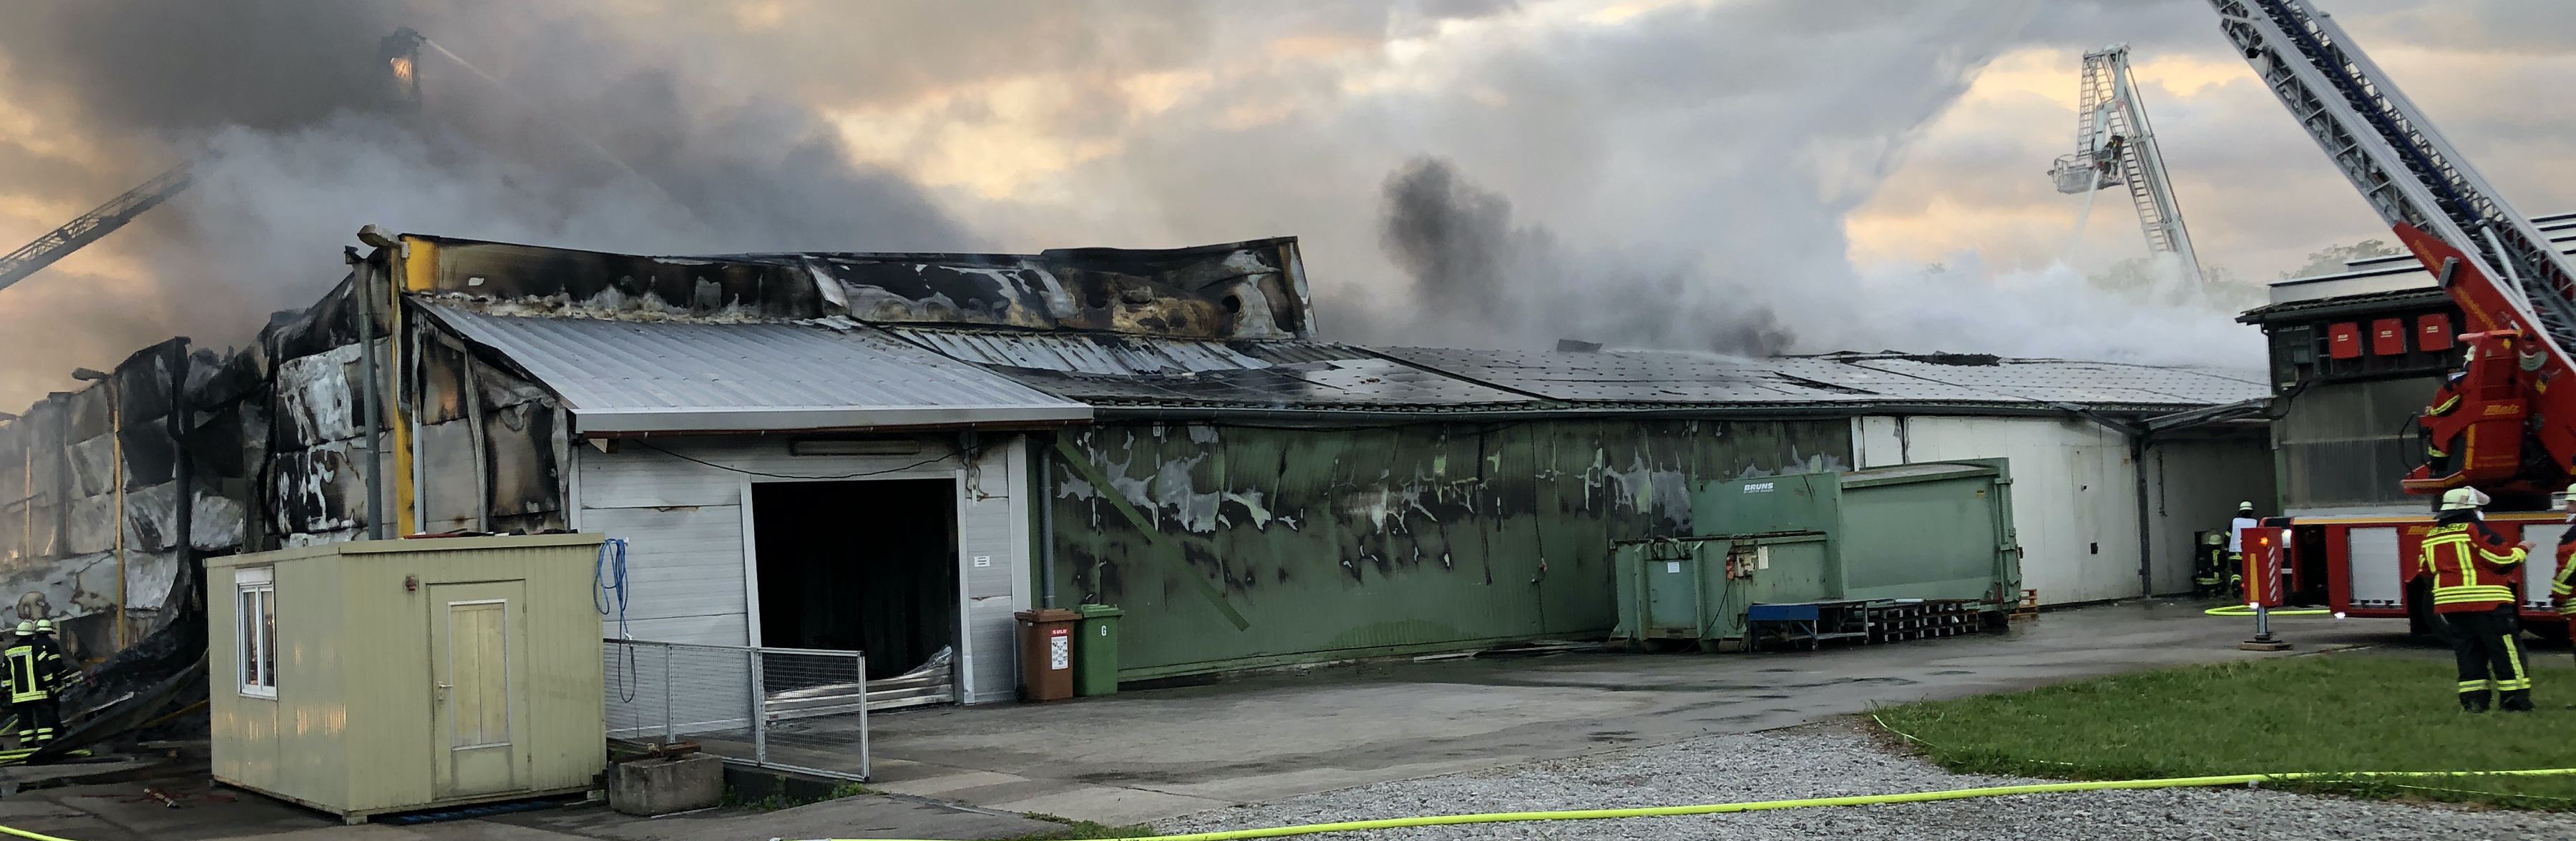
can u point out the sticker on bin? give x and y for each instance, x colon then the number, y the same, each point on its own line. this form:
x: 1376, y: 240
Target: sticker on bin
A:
x: 1060, y: 648
x: 1672, y: 566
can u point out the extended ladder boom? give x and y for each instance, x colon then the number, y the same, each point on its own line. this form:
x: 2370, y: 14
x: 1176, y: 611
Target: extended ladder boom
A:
x: 2401, y: 164
x: 89, y: 227
x: 2516, y: 290
x: 2115, y: 146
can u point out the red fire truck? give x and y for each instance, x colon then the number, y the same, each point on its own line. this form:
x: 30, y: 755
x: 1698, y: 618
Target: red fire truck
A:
x: 2507, y: 434
x: 2365, y: 566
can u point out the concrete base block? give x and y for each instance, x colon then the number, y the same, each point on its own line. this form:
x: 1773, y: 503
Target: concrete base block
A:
x: 663, y: 786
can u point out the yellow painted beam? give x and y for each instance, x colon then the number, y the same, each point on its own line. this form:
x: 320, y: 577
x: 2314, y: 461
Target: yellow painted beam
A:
x: 419, y: 264
x: 417, y: 271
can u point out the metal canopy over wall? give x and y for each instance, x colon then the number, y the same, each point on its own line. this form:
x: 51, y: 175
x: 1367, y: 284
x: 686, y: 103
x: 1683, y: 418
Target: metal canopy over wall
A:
x: 643, y: 377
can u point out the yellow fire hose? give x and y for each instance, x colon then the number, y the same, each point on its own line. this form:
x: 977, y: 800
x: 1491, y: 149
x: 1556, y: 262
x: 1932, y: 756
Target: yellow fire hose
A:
x: 1759, y: 805
x: 1764, y: 805
x: 2241, y: 610
x: 1751, y: 806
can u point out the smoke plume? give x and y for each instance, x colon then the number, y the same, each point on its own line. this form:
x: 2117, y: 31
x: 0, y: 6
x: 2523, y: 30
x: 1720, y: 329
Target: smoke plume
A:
x: 1479, y: 281
x: 300, y: 133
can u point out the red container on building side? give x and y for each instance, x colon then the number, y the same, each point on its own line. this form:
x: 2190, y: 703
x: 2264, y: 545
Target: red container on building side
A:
x: 2433, y: 331
x: 2388, y: 337
x: 2344, y: 341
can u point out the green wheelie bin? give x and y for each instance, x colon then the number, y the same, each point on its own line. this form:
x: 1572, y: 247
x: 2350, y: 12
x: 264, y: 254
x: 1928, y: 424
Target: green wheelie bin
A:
x: 1095, y: 650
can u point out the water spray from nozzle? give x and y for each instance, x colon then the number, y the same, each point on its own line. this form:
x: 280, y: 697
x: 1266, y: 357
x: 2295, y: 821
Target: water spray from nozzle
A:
x: 402, y: 50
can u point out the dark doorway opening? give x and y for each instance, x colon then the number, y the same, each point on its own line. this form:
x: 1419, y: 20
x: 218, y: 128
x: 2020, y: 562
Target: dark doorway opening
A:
x: 858, y: 566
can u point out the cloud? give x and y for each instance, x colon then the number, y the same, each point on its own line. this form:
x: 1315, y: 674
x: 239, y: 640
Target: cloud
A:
x: 563, y: 133
x: 1657, y: 174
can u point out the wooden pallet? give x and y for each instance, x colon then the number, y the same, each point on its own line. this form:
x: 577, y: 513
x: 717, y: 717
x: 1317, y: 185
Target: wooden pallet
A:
x: 1927, y: 619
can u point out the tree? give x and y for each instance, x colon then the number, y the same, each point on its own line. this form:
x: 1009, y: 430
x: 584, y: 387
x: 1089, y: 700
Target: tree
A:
x: 2332, y: 259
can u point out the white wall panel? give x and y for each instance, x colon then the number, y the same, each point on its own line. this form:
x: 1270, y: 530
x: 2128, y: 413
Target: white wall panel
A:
x: 1878, y: 441
x: 636, y: 477
x: 685, y: 522
x: 682, y: 563
x: 989, y: 526
x: 2075, y: 502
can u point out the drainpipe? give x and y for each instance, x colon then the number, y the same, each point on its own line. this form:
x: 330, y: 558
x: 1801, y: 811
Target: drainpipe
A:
x: 2146, y: 549
x: 1046, y: 524
x: 362, y: 285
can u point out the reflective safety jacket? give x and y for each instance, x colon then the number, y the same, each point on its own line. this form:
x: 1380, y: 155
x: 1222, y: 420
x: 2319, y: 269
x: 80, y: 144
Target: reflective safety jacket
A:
x: 2560, y: 589
x: 2470, y: 564
x: 2446, y: 399
x: 34, y: 669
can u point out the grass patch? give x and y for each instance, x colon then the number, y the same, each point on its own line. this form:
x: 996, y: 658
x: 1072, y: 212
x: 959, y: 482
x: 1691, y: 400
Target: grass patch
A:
x: 2336, y: 713
x: 1074, y: 829
x: 733, y: 798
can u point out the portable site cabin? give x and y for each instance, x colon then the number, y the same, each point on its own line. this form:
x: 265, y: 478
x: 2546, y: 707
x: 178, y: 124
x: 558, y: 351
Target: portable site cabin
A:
x: 329, y: 659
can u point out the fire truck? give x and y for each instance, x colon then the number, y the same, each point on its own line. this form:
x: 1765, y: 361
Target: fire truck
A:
x: 2516, y: 296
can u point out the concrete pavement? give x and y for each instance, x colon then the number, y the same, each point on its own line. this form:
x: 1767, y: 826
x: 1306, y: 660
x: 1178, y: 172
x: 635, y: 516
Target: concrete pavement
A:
x: 1150, y: 755
x: 122, y: 812
x: 1143, y: 756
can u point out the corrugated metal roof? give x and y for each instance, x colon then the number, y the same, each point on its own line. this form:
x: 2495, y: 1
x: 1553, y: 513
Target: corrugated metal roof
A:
x: 2330, y: 307
x: 627, y: 376
x: 1118, y: 355
x: 1106, y: 369
x: 2088, y: 383
x: 1630, y: 377
x: 1668, y: 377
x: 1370, y: 384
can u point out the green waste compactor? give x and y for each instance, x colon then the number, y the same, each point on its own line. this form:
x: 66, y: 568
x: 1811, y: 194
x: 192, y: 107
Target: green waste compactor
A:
x: 1918, y: 531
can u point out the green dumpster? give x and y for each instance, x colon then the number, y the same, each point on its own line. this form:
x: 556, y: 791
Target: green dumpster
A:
x: 1095, y: 650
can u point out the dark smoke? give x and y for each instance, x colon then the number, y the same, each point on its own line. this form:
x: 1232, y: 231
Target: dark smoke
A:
x: 587, y: 141
x: 1480, y: 281
x: 1456, y: 241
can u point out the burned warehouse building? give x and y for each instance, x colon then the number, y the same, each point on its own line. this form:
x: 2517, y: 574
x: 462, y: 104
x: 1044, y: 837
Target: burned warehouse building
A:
x: 895, y: 453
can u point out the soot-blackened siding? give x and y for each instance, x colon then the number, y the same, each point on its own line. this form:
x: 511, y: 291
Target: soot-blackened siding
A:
x: 1345, y: 542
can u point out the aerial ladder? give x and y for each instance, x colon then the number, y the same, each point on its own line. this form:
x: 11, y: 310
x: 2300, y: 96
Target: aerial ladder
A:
x: 90, y: 227
x: 2512, y: 435
x: 2115, y: 146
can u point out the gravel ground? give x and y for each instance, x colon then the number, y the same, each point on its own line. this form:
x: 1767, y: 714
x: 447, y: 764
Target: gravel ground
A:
x: 1838, y: 759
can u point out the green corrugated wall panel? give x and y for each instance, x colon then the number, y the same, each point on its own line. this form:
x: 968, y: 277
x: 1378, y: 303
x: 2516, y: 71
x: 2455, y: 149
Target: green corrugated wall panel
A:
x: 1350, y: 541
x: 1922, y: 540
x: 1930, y: 531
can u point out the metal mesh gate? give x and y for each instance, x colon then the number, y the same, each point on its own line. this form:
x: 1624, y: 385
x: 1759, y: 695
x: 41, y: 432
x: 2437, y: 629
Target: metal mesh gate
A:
x: 791, y: 709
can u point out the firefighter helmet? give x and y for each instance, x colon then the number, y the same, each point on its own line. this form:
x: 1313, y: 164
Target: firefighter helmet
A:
x: 26, y: 627
x: 2458, y: 499
x: 2245, y: 506
x: 44, y: 626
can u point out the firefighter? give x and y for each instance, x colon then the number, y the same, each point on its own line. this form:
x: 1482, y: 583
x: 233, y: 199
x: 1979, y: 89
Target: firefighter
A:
x: 2470, y: 563
x: 2565, y: 584
x: 2245, y: 519
x: 36, y: 675
x: 2437, y: 454
x: 2209, y: 564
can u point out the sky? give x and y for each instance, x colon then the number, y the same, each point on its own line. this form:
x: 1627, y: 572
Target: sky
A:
x: 1732, y: 176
